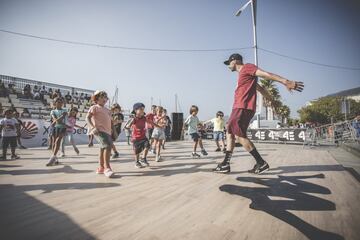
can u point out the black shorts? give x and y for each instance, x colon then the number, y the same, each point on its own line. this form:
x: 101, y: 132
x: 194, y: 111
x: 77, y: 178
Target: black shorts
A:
x: 115, y: 133
x: 141, y: 145
x: 195, y: 136
x: 58, y: 131
x: 6, y: 141
x: 150, y: 132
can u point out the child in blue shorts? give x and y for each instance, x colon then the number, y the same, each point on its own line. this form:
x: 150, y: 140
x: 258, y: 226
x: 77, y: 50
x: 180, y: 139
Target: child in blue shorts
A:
x: 192, y: 123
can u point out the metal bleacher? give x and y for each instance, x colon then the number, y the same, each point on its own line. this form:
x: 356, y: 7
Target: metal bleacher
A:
x: 38, y: 108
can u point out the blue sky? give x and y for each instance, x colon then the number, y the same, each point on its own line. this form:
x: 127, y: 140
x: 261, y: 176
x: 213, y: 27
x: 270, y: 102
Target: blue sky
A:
x: 321, y: 31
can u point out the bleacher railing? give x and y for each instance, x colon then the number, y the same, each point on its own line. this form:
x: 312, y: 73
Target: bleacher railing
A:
x: 20, y: 83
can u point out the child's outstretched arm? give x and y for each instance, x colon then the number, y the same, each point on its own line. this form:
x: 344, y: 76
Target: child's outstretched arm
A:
x: 129, y: 123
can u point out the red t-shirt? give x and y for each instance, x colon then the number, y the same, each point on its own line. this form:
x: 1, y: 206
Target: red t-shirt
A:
x: 150, y: 116
x: 139, y: 129
x: 245, y: 92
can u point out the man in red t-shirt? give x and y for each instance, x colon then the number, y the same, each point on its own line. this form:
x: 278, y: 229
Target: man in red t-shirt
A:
x: 244, y: 109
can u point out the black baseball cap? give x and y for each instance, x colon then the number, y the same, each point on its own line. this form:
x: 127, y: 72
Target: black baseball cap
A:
x: 234, y: 56
x: 137, y: 106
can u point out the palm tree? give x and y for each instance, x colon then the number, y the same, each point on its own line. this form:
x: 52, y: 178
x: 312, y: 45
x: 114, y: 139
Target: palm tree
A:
x: 269, y: 86
x: 283, y: 112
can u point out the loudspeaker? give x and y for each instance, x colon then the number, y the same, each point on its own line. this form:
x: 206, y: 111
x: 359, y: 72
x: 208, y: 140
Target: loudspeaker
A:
x: 177, y: 125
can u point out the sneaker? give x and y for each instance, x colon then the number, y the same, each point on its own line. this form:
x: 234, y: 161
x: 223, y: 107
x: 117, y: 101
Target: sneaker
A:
x: 56, y: 161
x: 100, y: 170
x: 22, y: 147
x: 224, y: 150
x: 115, y: 155
x: 218, y: 150
x: 62, y: 155
x: 3, y: 158
x: 263, y: 168
x: 51, y: 161
x: 13, y: 157
x: 203, y: 152
x: 77, y: 151
x: 158, y: 158
x: 138, y: 164
x: 195, y: 155
x: 153, y: 151
x: 254, y: 169
x: 145, y: 162
x: 257, y: 169
x: 222, y: 168
x: 108, y: 173
x: 90, y: 145
x: 163, y: 147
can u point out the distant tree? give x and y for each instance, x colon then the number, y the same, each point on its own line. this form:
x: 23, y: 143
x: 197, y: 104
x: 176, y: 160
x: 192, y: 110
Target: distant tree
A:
x: 284, y: 113
x: 322, y: 110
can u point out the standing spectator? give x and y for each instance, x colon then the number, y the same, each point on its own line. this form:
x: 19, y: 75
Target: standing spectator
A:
x: 8, y: 126
x: 18, y: 130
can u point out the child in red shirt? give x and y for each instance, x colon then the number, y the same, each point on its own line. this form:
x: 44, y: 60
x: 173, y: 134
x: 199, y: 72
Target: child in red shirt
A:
x: 140, y: 141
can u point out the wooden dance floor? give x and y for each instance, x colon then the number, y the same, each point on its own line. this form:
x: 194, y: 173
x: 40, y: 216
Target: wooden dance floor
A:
x: 305, y: 195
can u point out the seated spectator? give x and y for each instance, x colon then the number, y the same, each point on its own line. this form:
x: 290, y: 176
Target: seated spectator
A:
x: 35, y: 90
x: 37, y: 95
x: 58, y: 92
x: 26, y: 113
x: 12, y: 90
x: 43, y: 91
x: 27, y: 91
x: 50, y: 93
x: 76, y: 96
x: 82, y: 96
x: 87, y: 97
x: 68, y: 97
x: 4, y: 92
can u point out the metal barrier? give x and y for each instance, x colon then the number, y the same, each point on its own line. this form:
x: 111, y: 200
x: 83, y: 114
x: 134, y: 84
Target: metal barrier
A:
x: 333, y: 134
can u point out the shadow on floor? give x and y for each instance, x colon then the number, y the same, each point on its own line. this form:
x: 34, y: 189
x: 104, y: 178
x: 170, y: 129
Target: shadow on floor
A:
x: 25, y: 217
x: 49, y: 170
x: 298, y: 193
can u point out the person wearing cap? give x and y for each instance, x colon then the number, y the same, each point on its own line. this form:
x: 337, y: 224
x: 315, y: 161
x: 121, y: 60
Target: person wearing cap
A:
x: 141, y: 143
x: 8, y: 126
x: 244, y: 108
x: 99, y: 121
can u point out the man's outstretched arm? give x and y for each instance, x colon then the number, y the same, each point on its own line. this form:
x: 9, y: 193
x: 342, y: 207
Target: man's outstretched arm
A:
x: 290, y: 85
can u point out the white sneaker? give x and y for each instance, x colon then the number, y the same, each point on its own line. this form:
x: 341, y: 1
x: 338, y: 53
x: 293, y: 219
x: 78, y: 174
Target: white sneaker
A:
x: 62, y: 155
x: 108, y: 173
x: 158, y: 158
x: 51, y: 161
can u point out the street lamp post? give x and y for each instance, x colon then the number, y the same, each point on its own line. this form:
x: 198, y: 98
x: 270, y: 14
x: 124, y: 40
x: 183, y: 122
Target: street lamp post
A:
x: 253, y: 11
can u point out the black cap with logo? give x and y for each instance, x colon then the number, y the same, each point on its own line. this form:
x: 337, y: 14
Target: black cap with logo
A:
x: 234, y: 56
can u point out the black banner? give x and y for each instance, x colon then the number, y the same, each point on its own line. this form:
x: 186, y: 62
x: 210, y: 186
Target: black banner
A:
x: 280, y: 134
